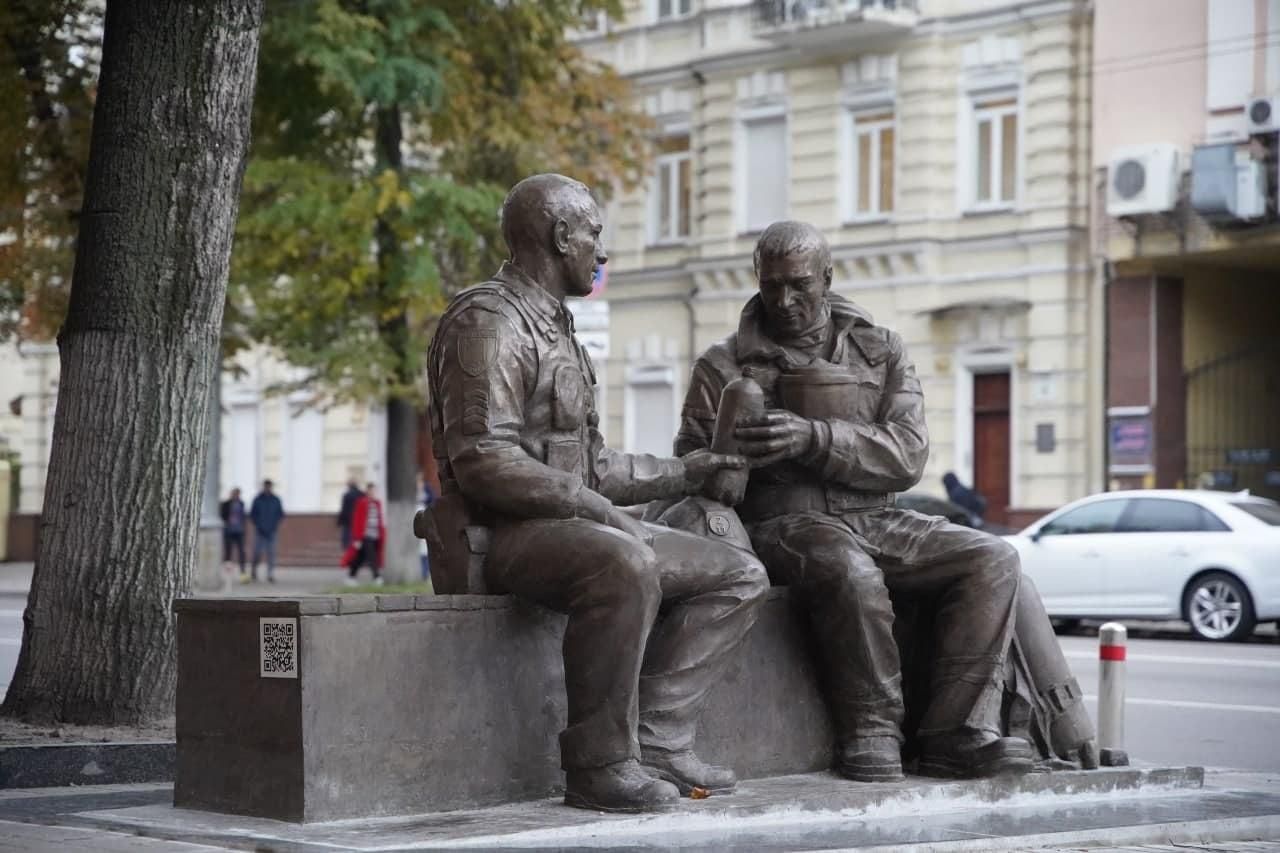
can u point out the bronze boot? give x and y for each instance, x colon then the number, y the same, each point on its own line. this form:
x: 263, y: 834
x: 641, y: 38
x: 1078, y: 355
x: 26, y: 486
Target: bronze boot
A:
x: 686, y: 771
x: 974, y: 755
x: 870, y: 759
x: 619, y: 787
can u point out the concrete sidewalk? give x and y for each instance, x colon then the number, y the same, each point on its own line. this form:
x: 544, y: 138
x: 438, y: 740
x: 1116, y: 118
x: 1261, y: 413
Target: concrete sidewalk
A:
x: 15, y: 580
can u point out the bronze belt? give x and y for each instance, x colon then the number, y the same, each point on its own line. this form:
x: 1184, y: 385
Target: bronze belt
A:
x: 764, y: 502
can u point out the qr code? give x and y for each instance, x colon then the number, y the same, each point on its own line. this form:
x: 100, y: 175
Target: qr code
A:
x: 278, y: 644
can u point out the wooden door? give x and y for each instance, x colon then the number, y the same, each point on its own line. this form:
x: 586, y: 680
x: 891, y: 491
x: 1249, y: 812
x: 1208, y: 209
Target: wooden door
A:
x: 991, y: 443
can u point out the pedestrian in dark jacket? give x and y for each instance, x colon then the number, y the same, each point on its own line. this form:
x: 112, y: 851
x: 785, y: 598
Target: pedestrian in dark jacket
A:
x: 962, y: 495
x: 349, y: 498
x: 266, y: 512
x: 233, y: 519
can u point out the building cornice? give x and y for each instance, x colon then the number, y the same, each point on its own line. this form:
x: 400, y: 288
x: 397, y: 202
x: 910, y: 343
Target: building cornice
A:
x: 899, y: 259
x: 961, y: 24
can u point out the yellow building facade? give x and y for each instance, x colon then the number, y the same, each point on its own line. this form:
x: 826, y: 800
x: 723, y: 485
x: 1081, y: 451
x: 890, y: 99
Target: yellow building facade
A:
x: 942, y: 147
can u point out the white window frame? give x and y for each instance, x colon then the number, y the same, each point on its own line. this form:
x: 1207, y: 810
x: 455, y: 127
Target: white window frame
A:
x: 672, y: 161
x: 856, y: 123
x: 746, y: 117
x: 649, y: 374
x: 973, y: 113
x: 293, y: 409
x: 675, y: 14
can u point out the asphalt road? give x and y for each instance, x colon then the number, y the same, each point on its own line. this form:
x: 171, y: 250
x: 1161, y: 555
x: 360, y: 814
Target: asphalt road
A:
x: 1189, y: 702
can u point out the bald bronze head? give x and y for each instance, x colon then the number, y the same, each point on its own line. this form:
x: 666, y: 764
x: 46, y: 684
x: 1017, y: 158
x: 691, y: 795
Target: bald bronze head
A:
x: 552, y: 228
x: 793, y: 265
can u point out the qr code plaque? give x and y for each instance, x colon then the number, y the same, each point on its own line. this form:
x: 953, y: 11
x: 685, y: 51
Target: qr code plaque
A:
x: 278, y: 644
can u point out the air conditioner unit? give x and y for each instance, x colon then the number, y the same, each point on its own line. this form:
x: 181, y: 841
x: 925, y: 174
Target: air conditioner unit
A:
x: 1263, y: 114
x: 1228, y: 187
x: 1142, y: 179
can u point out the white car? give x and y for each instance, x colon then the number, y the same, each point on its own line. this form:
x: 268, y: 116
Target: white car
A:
x: 1209, y: 558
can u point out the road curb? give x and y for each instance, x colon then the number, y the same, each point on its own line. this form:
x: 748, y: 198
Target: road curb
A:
x: 59, y: 765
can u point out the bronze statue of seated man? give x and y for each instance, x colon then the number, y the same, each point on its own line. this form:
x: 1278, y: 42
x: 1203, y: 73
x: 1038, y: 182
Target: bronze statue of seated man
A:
x: 523, y: 465
x: 843, y: 432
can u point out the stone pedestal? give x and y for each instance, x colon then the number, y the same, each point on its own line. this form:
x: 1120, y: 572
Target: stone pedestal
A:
x: 412, y: 704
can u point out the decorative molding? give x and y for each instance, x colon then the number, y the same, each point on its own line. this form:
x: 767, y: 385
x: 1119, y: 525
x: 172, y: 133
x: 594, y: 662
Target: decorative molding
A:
x: 669, y: 103
x: 991, y: 51
x: 761, y: 88
x: 870, y: 70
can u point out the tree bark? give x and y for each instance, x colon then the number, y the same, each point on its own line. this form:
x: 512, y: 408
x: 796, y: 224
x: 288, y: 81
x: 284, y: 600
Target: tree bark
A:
x: 402, y: 418
x: 139, y: 351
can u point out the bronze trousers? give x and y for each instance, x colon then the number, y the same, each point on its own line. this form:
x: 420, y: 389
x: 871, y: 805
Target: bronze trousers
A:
x: 841, y: 569
x: 632, y: 676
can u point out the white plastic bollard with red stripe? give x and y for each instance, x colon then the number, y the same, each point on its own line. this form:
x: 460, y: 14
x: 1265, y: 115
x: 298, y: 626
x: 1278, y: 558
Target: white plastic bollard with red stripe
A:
x: 1112, y: 651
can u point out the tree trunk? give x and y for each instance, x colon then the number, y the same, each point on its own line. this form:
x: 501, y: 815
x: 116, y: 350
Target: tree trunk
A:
x: 402, y: 419
x: 402, y: 491
x: 139, y: 351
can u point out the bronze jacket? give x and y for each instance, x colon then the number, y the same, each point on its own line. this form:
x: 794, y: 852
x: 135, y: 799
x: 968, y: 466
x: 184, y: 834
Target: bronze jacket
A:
x: 881, y: 447
x: 513, y: 414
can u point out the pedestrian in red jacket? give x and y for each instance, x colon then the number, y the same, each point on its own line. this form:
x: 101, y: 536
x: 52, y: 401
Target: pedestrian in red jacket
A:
x: 368, y: 537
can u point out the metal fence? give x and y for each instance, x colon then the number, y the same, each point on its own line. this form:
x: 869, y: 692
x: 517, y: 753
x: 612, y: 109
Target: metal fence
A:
x: 1233, y: 420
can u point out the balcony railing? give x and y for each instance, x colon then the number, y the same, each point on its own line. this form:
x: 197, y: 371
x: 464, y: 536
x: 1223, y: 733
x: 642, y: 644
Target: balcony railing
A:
x: 834, y: 19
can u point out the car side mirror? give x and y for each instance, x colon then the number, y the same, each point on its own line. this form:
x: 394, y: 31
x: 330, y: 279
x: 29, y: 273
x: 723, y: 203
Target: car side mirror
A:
x: 1035, y: 537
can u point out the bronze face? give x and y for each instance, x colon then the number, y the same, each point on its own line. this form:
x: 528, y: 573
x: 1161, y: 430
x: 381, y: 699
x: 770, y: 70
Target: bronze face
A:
x: 584, y: 250
x: 792, y: 288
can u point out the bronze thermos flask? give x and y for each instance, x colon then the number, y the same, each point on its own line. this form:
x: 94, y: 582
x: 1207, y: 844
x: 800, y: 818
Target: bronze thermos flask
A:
x: 741, y: 402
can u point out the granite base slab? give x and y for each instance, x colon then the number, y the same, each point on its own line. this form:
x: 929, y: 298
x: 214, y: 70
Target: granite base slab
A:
x: 813, y: 811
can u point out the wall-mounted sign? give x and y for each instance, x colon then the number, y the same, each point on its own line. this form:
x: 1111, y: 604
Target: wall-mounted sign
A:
x: 1045, y: 438
x: 1251, y: 456
x: 591, y: 325
x: 1129, y: 440
x: 1221, y: 481
x: 600, y: 280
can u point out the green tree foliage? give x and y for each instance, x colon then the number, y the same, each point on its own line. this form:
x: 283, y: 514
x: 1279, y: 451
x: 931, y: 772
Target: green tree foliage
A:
x: 49, y: 53
x: 386, y: 133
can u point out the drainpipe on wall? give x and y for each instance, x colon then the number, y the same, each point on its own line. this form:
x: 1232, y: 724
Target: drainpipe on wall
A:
x: 693, y: 325
x: 1108, y: 275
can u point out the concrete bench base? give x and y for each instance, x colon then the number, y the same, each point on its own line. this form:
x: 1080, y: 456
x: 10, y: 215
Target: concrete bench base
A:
x: 414, y: 704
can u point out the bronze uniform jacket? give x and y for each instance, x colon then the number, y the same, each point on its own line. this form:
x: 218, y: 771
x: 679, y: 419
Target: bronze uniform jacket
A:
x: 881, y: 447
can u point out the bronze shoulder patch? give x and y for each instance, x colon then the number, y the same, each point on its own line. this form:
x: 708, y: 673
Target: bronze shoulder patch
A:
x: 477, y: 350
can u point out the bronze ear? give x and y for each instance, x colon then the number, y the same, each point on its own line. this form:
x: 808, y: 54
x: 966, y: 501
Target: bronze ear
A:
x: 560, y: 235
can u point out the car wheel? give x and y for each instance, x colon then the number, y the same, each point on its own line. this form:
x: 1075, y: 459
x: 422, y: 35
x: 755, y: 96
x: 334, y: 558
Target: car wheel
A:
x: 1219, y: 608
x: 1065, y: 626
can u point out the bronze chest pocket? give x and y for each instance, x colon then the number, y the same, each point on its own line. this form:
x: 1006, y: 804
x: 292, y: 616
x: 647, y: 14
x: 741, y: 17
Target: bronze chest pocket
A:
x: 568, y: 397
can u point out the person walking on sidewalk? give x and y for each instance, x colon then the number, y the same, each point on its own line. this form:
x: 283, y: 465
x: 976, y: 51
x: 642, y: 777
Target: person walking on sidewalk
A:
x: 266, y: 512
x: 233, y: 518
x: 368, y: 537
x: 347, y: 510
